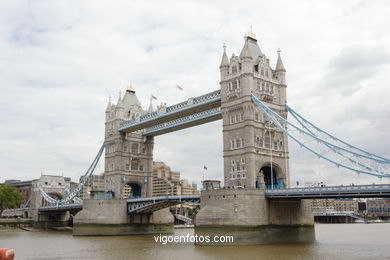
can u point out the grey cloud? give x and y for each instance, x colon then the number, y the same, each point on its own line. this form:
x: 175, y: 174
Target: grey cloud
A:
x: 351, y: 66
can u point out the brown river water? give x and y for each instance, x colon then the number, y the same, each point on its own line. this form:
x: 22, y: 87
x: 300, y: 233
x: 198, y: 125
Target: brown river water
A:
x: 333, y: 241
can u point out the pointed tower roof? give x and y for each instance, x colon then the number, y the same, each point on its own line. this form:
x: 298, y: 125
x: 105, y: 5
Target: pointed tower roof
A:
x: 225, y: 60
x: 120, y: 101
x: 108, y: 109
x: 150, y: 109
x: 279, y: 63
x: 245, y: 53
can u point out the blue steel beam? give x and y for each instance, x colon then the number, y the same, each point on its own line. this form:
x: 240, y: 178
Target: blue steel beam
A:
x: 356, y: 191
x: 191, y: 106
x: 149, y: 205
x: 197, y: 118
x: 61, y: 207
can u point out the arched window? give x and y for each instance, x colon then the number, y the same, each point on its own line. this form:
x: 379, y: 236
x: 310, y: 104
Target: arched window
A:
x: 134, y: 148
x: 267, y: 140
x: 134, y: 164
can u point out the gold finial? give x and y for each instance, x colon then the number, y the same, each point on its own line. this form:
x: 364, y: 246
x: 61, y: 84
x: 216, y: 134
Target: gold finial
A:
x: 250, y: 34
x: 130, y: 88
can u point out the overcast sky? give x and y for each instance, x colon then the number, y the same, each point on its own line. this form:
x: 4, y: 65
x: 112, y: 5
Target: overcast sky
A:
x: 60, y: 60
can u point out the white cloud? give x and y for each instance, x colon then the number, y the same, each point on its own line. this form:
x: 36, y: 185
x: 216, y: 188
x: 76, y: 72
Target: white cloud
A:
x: 60, y: 60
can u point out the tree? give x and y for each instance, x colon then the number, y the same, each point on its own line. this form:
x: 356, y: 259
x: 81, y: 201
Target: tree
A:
x: 9, y: 197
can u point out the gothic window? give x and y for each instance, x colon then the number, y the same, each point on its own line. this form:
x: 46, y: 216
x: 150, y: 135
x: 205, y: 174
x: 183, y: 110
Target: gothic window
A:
x: 234, y: 69
x: 238, y: 166
x: 238, y: 143
x: 234, y: 84
x: 267, y: 141
x: 134, y: 148
x: 141, y: 167
x: 242, y: 117
x: 134, y: 165
x: 257, y: 68
x: 262, y: 72
x: 237, y: 118
x: 232, y: 119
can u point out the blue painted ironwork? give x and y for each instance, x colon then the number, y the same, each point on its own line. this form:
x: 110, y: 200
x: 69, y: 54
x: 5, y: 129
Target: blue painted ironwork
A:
x: 64, y: 207
x: 190, y: 104
x: 356, y: 191
x: 185, y: 120
x: 148, y: 205
x: 296, y: 115
x: 277, y: 119
x: 70, y: 196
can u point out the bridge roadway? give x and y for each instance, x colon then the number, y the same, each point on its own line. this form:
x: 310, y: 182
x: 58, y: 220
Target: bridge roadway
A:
x: 149, y: 205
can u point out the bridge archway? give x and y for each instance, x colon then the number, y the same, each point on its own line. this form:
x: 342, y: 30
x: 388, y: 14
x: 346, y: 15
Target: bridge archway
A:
x: 271, y: 176
x: 54, y: 195
x: 132, y: 190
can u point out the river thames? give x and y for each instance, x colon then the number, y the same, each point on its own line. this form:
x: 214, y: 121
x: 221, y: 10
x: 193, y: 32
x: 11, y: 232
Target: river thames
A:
x: 333, y: 241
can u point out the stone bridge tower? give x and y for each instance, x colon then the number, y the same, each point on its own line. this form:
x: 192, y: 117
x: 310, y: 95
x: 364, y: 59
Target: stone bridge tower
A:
x: 128, y: 157
x: 255, y: 151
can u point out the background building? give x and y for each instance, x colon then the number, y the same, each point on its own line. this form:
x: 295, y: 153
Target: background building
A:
x: 167, y: 182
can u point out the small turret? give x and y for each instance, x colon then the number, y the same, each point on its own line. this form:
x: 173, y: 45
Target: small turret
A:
x: 108, y: 109
x: 150, y: 109
x: 246, y: 58
x: 280, y: 70
x: 224, y: 67
x: 119, y: 109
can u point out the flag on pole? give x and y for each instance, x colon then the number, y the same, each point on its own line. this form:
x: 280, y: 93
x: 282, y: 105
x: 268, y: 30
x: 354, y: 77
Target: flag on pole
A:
x: 178, y: 87
x: 153, y: 97
x: 204, y: 167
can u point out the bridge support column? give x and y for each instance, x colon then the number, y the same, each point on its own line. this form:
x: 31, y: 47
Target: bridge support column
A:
x: 51, y: 219
x: 248, y: 216
x: 109, y: 217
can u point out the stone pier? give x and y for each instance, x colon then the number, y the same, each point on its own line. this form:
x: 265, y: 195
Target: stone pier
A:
x: 252, y: 219
x: 109, y: 217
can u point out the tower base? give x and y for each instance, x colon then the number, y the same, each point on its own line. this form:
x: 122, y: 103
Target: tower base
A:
x: 252, y: 219
x: 109, y: 218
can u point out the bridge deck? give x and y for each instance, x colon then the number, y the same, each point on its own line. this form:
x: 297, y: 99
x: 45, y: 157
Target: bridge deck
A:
x: 357, y: 191
x: 194, y: 111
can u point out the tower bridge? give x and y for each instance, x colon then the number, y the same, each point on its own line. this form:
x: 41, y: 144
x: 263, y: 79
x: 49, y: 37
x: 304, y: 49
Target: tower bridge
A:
x: 252, y: 104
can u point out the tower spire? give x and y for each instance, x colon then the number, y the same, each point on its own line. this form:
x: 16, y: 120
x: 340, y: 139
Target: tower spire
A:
x: 109, y: 104
x: 245, y: 53
x: 279, y: 63
x: 225, y: 60
x: 120, y: 101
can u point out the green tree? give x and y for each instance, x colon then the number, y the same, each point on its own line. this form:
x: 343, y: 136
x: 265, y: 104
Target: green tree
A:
x: 9, y: 197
